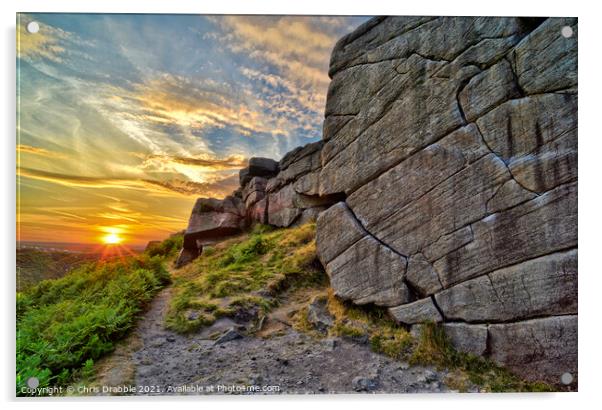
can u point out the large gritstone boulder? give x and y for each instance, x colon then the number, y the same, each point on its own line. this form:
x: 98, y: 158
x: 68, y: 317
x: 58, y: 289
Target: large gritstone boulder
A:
x: 258, y: 167
x: 211, y: 219
x: 453, y: 142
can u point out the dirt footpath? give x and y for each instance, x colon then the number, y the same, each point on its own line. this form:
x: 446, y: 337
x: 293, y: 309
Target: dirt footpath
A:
x: 164, y: 362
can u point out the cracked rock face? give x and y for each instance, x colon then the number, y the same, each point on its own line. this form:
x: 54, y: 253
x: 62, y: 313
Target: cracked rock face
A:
x: 454, y: 143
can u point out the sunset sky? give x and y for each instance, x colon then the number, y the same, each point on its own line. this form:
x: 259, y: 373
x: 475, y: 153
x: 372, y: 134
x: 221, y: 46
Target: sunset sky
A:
x: 124, y: 120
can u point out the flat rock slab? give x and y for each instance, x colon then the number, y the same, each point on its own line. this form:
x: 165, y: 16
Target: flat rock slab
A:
x: 369, y: 272
x: 467, y: 338
x: 420, y: 311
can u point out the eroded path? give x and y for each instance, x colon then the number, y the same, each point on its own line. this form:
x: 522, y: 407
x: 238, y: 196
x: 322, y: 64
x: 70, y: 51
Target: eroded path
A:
x: 282, y: 361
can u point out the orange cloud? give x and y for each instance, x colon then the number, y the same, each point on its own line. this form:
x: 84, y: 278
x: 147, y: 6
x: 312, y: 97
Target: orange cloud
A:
x: 299, y: 46
x: 232, y: 162
x: 172, y: 99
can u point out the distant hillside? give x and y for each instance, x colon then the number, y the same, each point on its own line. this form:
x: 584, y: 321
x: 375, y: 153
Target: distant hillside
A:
x: 35, y: 265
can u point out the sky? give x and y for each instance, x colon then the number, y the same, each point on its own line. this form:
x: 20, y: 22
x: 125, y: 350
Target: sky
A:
x: 124, y: 120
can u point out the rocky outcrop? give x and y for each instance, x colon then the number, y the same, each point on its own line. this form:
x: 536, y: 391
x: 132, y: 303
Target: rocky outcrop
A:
x: 453, y: 142
x: 276, y: 193
x: 210, y: 220
x: 445, y: 184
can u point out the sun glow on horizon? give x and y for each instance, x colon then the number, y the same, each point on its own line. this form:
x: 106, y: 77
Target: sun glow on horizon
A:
x: 112, y: 236
x: 112, y: 239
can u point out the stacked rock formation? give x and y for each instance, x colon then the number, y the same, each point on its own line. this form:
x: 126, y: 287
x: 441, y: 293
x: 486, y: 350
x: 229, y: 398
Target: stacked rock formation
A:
x: 276, y: 193
x: 455, y: 143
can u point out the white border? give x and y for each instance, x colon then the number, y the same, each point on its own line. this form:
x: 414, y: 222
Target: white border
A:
x: 590, y: 150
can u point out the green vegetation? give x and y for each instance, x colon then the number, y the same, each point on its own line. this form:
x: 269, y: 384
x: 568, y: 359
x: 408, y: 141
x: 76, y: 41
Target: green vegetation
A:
x: 64, y: 325
x: 167, y: 248
x: 244, y: 273
x: 434, y: 348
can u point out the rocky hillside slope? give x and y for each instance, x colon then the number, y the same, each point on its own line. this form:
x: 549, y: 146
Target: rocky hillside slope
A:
x: 445, y: 183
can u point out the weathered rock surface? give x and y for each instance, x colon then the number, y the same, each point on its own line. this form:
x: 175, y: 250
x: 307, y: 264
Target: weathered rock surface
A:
x: 542, y: 286
x: 210, y: 220
x: 185, y: 256
x: 254, y: 191
x: 339, y: 231
x: 537, y: 349
x: 282, y: 210
x: 537, y: 137
x: 421, y: 275
x: 455, y: 142
x: 368, y: 272
x: 488, y: 89
x: 258, y: 167
x: 545, y: 61
x: 547, y: 223
x: 420, y: 311
x: 467, y: 338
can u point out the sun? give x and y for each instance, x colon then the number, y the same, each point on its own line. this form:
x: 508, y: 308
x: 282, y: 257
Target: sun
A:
x: 112, y: 239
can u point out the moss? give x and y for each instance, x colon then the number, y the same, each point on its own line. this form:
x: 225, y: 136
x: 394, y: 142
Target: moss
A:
x: 385, y: 336
x: 181, y: 323
x: 208, y: 251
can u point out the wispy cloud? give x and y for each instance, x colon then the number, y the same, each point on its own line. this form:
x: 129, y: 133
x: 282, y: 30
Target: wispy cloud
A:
x: 298, y: 46
x: 152, y: 187
x: 28, y: 149
x: 125, y: 119
x: 233, y: 162
x: 291, y: 56
x: 46, y: 43
x: 171, y: 99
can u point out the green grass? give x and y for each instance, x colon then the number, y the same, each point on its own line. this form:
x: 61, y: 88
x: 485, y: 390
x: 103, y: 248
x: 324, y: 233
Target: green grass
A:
x: 228, y: 277
x: 64, y: 325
